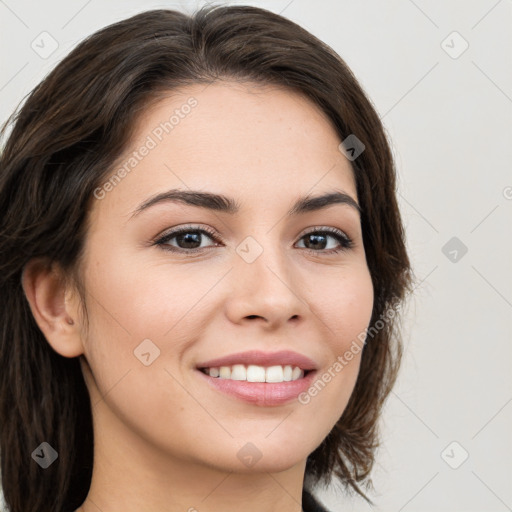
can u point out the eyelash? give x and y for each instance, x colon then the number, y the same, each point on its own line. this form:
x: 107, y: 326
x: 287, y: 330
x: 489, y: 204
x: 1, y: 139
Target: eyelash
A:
x: 346, y: 243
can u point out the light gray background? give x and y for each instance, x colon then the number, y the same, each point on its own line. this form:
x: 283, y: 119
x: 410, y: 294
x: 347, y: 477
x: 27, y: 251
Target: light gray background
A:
x: 450, y: 121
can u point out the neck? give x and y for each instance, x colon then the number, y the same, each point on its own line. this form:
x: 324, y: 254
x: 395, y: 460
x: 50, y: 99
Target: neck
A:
x: 130, y: 475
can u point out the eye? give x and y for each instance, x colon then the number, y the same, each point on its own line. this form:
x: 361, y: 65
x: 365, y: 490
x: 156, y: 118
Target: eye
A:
x: 317, y: 241
x: 187, y: 239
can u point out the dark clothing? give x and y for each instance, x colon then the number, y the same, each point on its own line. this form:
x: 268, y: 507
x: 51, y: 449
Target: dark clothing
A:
x: 310, y: 504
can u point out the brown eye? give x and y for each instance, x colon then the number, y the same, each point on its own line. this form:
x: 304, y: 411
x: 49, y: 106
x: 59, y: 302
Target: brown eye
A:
x: 188, y: 239
x: 321, y: 240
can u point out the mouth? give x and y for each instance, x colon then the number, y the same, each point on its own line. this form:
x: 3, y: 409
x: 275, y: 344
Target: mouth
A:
x: 259, y: 378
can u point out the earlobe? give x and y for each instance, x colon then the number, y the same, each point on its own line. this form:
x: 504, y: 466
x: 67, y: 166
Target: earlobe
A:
x: 45, y: 289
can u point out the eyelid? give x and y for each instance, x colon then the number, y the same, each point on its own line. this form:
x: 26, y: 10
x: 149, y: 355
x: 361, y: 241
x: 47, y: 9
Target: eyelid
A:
x: 169, y: 234
x: 323, y: 229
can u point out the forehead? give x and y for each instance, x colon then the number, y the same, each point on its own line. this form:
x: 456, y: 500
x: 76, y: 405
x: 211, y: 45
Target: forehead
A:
x: 249, y: 141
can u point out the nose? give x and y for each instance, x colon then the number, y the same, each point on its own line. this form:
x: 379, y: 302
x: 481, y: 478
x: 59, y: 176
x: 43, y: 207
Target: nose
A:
x: 265, y: 290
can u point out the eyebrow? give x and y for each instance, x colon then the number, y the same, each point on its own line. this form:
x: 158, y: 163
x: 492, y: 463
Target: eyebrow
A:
x: 221, y: 203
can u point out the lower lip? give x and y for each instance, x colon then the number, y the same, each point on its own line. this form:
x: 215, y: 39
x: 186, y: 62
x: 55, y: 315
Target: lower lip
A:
x: 261, y: 393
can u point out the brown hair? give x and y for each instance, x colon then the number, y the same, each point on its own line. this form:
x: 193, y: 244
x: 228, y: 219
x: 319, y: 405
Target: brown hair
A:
x: 64, y: 141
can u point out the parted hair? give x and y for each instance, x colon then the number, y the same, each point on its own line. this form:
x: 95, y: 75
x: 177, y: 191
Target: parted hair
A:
x: 62, y: 142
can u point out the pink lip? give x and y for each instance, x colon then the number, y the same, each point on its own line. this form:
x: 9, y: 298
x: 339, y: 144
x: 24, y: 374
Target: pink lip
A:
x: 261, y: 393
x: 256, y: 357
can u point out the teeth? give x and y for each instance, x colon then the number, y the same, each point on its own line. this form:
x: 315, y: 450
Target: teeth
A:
x: 225, y: 372
x: 238, y: 372
x: 254, y: 373
x: 296, y: 373
x: 275, y: 374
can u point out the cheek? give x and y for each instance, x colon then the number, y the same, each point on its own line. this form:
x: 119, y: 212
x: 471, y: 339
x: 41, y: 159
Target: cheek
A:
x: 344, y: 302
x: 138, y: 311
x: 345, y: 309
x: 143, y: 299
x: 136, y: 308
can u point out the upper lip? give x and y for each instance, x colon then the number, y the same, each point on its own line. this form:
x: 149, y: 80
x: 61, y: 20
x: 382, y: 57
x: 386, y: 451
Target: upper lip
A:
x: 259, y: 358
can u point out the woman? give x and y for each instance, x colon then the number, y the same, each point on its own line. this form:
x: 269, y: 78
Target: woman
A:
x: 202, y: 261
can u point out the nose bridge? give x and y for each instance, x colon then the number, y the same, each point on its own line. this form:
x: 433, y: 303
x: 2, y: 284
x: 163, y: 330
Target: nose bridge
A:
x: 260, y: 252
x: 266, y: 285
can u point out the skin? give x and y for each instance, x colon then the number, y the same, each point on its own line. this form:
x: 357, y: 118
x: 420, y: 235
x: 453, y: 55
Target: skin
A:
x: 164, y: 440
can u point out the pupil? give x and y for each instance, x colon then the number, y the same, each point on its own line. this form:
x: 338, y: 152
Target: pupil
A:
x: 189, y: 238
x: 316, y: 240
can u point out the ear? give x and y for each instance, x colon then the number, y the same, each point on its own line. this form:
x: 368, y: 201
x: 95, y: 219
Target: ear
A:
x: 55, y: 308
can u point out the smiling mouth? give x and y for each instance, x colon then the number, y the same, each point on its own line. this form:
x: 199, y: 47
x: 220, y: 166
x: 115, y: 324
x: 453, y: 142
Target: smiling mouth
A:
x: 256, y: 373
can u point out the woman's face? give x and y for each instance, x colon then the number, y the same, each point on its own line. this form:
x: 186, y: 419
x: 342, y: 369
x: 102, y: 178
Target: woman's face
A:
x: 258, y: 279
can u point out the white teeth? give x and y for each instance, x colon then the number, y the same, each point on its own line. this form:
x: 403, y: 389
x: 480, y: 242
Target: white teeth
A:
x: 296, y: 373
x: 238, y: 372
x: 287, y: 373
x: 275, y: 374
x: 255, y: 373
x: 225, y: 372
